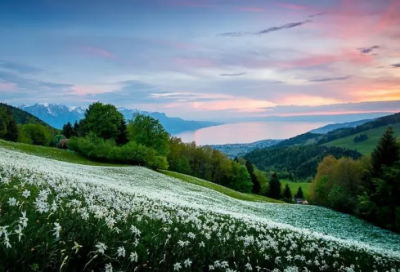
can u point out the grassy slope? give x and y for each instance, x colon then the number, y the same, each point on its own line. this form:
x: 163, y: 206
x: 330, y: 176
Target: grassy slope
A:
x: 221, y: 189
x: 294, y: 186
x: 72, y: 157
x: 365, y: 147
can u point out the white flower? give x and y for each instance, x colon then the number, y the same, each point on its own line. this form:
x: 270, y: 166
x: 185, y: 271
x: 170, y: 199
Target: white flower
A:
x: 248, y: 267
x: 3, y: 230
x: 134, y: 257
x: 23, y: 220
x: 109, y: 268
x: 76, y: 247
x: 177, y: 266
x: 19, y: 232
x: 57, y: 228
x: 187, y: 263
x: 121, y: 251
x: 26, y: 193
x: 12, y: 202
x: 101, y: 248
x: 135, y: 231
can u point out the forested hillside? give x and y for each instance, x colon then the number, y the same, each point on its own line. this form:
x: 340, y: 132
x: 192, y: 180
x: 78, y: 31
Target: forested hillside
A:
x: 23, y: 117
x: 302, y: 160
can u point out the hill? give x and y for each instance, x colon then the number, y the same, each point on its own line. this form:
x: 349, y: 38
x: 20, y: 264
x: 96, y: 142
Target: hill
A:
x: 22, y: 117
x: 58, y: 115
x: 331, y: 127
x: 365, y: 147
x: 88, y: 214
x: 301, y: 160
x: 237, y: 150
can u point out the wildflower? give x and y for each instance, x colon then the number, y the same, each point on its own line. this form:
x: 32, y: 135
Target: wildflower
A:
x: 3, y: 230
x: 76, y: 247
x: 187, y: 263
x: 23, y: 220
x: 101, y: 248
x: 121, y: 251
x: 135, y: 231
x: 202, y: 244
x: 134, y: 257
x: 177, y: 266
x: 109, y: 268
x: 26, y: 193
x: 19, y: 232
x: 248, y: 267
x: 12, y: 202
x: 57, y: 228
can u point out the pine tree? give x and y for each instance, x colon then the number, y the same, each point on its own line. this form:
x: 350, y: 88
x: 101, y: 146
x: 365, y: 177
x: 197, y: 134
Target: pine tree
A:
x: 12, y: 128
x: 299, y: 193
x: 76, y: 129
x: 254, y: 180
x: 67, y: 130
x: 122, y: 138
x: 386, y: 153
x: 287, y: 194
x: 274, y: 187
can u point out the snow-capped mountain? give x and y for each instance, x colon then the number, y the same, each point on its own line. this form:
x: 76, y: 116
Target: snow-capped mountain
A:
x: 57, y: 115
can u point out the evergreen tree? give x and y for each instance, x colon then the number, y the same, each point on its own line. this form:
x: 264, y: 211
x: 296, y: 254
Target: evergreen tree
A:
x: 12, y: 127
x: 299, y: 193
x: 287, y: 194
x: 386, y: 153
x: 274, y: 187
x: 76, y: 129
x: 254, y: 180
x: 67, y: 130
x: 122, y: 138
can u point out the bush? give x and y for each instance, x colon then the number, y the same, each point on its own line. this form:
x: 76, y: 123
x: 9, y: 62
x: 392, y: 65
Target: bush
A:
x: 34, y: 134
x: 57, y: 139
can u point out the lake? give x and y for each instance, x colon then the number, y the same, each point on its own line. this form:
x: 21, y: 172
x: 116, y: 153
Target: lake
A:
x: 248, y: 132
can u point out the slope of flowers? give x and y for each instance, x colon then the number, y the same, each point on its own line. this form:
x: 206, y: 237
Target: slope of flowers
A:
x: 67, y: 217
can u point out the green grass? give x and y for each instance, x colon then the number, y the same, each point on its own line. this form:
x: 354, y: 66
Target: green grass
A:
x: 294, y: 186
x: 52, y: 153
x: 365, y: 147
x: 220, y: 189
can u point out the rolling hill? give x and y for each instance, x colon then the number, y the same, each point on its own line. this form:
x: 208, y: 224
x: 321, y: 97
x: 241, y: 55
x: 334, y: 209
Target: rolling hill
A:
x: 366, y: 147
x: 22, y: 117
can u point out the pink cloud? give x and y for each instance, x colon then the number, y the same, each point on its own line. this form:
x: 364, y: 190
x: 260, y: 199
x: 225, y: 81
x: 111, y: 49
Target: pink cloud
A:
x: 98, y: 52
x: 7, y: 86
x: 291, y: 6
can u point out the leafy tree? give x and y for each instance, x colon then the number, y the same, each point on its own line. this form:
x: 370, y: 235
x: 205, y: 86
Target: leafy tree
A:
x: 274, y: 187
x: 253, y: 177
x: 12, y: 130
x: 299, y: 193
x: 76, y: 129
x: 8, y: 125
x: 103, y: 120
x: 386, y: 153
x: 149, y: 132
x: 287, y: 194
x: 34, y: 134
x: 57, y: 139
x: 67, y: 130
x: 122, y: 137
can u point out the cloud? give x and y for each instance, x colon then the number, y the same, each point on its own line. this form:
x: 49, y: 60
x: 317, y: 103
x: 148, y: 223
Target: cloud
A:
x: 329, y: 79
x: 233, y: 75
x: 265, y: 31
x: 98, y: 52
x: 366, y: 50
x: 19, y: 68
x: 397, y: 65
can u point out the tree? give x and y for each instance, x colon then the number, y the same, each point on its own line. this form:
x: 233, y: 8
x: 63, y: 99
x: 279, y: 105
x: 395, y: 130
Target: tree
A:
x: 8, y: 125
x: 102, y: 120
x: 274, y: 187
x: 287, y: 194
x: 57, y: 139
x: 35, y: 134
x: 253, y: 177
x: 67, y: 130
x: 299, y: 193
x: 76, y: 129
x: 386, y: 153
x: 122, y: 137
x: 149, y: 132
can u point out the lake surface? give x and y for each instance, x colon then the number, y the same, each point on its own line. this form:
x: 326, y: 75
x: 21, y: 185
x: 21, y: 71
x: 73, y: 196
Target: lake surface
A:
x: 248, y: 132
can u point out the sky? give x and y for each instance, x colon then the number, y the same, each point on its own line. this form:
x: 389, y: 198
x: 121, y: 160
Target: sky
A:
x: 204, y: 59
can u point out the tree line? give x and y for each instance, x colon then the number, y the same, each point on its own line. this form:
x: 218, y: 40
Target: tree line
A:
x: 368, y: 187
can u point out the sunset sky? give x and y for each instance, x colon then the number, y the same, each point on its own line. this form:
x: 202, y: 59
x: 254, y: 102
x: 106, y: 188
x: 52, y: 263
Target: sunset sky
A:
x: 204, y: 59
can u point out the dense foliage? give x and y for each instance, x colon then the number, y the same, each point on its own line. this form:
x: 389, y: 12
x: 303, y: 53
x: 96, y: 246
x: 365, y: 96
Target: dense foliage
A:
x: 369, y: 188
x: 360, y: 138
x: 23, y: 117
x: 34, y: 134
x: 8, y: 125
x: 302, y: 139
x: 302, y: 161
x: 344, y: 132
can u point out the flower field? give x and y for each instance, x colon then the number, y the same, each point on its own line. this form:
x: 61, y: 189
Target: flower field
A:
x: 58, y: 216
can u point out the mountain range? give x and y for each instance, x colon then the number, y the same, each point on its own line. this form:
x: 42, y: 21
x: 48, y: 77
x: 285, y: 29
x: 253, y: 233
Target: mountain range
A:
x: 57, y: 115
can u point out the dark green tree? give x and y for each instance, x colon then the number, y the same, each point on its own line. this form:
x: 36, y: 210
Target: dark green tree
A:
x: 76, y: 129
x: 299, y: 193
x: 67, y: 130
x: 274, y: 187
x: 287, y: 194
x: 254, y: 180
x: 102, y: 120
x: 122, y: 137
x: 12, y: 127
x: 386, y: 153
x: 149, y: 132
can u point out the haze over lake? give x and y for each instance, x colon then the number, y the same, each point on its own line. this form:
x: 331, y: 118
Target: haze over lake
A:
x: 248, y: 132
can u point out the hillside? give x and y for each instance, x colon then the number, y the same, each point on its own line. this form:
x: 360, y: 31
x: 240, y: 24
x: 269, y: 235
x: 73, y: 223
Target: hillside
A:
x: 170, y: 223
x: 237, y: 150
x: 365, y: 147
x: 22, y: 117
x: 331, y: 127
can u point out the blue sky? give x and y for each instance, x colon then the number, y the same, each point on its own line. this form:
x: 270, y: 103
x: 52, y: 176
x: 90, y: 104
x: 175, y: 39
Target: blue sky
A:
x: 208, y: 59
